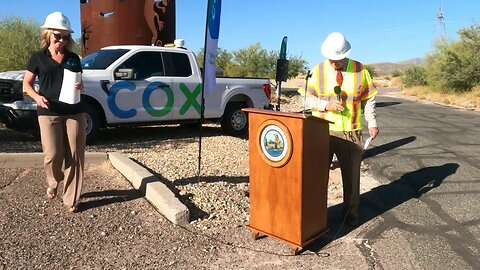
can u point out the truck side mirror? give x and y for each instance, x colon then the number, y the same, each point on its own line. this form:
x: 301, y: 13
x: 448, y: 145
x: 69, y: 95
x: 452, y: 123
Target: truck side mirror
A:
x: 124, y: 74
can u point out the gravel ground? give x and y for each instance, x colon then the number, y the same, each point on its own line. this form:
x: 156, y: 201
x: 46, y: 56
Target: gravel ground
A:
x: 118, y: 230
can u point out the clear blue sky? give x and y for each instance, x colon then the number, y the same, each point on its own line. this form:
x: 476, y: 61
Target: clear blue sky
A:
x: 379, y: 30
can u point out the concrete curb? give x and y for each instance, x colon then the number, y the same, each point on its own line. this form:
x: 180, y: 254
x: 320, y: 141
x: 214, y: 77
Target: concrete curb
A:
x: 159, y: 195
x: 155, y: 191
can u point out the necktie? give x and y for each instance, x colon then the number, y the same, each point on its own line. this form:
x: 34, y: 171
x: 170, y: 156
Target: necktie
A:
x: 339, y: 78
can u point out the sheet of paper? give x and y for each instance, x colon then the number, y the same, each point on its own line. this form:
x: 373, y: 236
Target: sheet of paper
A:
x: 367, y: 142
x: 68, y: 93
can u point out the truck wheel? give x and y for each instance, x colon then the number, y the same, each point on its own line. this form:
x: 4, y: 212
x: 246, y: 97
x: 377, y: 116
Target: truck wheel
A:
x: 234, y: 120
x: 93, y: 122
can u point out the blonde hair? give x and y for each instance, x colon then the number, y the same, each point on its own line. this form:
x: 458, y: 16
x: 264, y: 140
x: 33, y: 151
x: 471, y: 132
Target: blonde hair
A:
x: 46, y: 35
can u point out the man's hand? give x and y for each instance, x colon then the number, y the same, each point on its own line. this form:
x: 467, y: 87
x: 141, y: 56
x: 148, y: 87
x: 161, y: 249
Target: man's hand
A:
x: 373, y: 132
x: 334, y: 105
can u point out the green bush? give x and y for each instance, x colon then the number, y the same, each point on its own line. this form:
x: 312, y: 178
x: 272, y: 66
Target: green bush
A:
x: 397, y: 73
x: 415, y: 76
x: 18, y: 39
x: 254, y: 61
x: 455, y: 66
x: 371, y: 69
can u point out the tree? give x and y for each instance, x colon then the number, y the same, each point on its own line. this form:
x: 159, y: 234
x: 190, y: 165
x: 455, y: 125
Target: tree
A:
x: 456, y: 64
x: 254, y: 61
x: 18, y: 39
x: 77, y: 47
x: 224, y: 58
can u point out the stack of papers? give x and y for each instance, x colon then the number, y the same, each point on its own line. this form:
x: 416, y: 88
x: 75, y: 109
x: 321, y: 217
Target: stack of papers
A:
x: 367, y: 142
x: 68, y: 93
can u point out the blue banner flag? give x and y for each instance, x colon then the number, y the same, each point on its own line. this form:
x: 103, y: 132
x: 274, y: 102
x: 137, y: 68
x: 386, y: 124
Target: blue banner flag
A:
x: 212, y: 32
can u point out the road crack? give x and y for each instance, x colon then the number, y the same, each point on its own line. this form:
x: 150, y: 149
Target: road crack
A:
x: 370, y: 255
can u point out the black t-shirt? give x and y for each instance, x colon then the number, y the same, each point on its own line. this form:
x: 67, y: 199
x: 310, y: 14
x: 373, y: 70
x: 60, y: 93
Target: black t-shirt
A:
x: 50, y: 76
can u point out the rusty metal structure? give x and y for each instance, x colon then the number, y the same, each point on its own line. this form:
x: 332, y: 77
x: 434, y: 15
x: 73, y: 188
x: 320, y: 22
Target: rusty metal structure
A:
x: 126, y: 22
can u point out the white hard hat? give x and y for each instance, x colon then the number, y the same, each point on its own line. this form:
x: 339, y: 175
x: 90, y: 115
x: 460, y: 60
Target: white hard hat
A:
x: 336, y: 47
x: 57, y: 20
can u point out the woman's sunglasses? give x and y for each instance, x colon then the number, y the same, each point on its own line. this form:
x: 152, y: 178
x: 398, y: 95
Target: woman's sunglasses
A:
x: 59, y: 36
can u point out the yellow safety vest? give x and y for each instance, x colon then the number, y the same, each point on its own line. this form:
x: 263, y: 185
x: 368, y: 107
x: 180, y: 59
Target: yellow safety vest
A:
x: 357, y: 86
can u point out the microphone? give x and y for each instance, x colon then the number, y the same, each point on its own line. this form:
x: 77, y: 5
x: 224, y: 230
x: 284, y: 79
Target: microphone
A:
x: 338, y: 91
x: 309, y: 74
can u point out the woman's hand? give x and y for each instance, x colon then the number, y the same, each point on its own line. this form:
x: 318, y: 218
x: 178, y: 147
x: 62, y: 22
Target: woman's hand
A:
x: 42, y: 101
x: 28, y: 80
x: 79, y: 86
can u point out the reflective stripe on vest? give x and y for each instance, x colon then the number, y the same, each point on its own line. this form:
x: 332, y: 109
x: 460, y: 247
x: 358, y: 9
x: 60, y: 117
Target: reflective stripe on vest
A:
x: 357, y: 86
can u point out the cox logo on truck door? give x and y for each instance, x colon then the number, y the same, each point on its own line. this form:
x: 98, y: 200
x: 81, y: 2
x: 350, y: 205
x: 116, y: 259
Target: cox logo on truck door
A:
x: 190, y: 99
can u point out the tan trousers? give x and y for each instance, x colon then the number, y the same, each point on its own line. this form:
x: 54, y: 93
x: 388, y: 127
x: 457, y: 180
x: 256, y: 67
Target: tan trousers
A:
x: 63, y: 142
x: 348, y: 147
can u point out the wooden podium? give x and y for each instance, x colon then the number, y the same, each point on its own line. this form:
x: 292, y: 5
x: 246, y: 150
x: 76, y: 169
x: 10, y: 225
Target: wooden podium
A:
x: 289, y: 170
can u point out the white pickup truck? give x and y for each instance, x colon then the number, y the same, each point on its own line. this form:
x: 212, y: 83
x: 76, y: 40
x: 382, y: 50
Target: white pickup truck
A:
x: 141, y: 85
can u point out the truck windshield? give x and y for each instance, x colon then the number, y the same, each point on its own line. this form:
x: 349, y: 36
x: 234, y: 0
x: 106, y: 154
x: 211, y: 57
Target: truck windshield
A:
x: 102, y: 59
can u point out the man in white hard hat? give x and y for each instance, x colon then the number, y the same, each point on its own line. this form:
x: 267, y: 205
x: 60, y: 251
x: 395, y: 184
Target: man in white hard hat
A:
x: 340, y: 91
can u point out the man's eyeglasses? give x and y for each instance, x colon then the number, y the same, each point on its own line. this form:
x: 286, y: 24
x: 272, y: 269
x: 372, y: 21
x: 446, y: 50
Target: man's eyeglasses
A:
x: 59, y: 36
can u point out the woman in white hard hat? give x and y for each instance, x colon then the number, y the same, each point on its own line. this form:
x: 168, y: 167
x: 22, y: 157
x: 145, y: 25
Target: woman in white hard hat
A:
x: 61, y: 114
x: 341, y: 90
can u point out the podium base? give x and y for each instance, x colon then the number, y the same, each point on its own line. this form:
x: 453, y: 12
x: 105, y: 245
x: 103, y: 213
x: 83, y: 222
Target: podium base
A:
x: 295, y: 247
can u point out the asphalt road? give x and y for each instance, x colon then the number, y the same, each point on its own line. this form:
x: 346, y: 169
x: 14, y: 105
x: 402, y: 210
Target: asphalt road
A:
x: 427, y: 159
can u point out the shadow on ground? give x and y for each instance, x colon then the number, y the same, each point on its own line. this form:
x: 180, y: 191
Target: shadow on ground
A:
x: 387, y: 104
x: 96, y: 199
x: 383, y: 198
x: 387, y: 147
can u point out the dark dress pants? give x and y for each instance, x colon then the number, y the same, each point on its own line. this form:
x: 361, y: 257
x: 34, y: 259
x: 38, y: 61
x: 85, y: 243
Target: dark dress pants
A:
x: 348, y: 148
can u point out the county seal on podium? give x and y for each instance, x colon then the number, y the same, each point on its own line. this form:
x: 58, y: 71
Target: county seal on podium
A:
x: 275, y: 143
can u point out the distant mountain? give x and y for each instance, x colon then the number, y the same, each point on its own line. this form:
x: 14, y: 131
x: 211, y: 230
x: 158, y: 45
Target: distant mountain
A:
x: 413, y: 61
x: 386, y: 68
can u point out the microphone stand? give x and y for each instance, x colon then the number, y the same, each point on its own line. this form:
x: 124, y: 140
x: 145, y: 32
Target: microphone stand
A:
x: 305, y: 94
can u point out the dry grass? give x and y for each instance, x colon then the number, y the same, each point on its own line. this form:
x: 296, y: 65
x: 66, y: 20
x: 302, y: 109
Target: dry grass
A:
x: 387, y: 81
x: 396, y: 82
x: 470, y: 100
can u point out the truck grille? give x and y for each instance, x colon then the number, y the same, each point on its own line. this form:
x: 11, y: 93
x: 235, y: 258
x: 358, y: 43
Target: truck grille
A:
x: 10, y: 91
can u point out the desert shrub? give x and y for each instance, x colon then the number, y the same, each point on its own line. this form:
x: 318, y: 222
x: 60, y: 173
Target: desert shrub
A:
x: 371, y: 69
x: 18, y: 39
x: 396, y: 73
x: 415, y: 76
x: 455, y: 66
x: 254, y: 61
